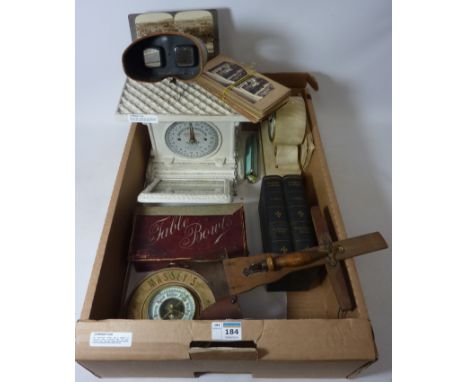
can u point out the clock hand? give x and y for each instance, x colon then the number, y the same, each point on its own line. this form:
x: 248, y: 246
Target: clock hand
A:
x: 192, y: 135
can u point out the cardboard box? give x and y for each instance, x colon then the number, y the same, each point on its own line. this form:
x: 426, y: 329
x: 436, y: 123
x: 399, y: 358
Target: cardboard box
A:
x: 315, y: 341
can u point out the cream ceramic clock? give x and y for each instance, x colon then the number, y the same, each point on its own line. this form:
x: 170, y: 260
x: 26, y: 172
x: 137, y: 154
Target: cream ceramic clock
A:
x: 193, y: 138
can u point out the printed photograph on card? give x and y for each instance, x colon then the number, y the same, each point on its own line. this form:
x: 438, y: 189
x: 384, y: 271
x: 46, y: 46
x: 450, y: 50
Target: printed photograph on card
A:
x: 227, y: 73
x: 253, y: 88
x: 199, y: 23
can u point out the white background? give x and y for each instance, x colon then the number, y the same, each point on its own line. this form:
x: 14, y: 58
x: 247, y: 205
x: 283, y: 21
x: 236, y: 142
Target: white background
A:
x: 345, y: 45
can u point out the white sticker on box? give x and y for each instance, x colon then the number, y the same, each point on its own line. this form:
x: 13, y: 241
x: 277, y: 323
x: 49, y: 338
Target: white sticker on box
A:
x: 110, y: 339
x: 226, y: 331
x: 142, y: 118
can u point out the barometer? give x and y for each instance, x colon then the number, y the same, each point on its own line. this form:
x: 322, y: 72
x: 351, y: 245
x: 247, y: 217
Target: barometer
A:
x: 170, y: 294
x: 172, y: 303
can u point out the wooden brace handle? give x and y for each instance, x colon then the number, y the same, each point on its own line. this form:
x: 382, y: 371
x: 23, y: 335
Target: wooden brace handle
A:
x: 292, y: 260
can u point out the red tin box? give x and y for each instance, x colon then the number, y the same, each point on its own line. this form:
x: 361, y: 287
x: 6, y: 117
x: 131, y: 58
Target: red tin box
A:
x: 165, y: 236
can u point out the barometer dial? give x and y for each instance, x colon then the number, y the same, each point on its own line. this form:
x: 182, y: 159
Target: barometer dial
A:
x: 172, y: 303
x: 192, y: 139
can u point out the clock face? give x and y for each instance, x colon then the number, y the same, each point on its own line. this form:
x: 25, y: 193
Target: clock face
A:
x: 192, y: 139
x: 172, y: 303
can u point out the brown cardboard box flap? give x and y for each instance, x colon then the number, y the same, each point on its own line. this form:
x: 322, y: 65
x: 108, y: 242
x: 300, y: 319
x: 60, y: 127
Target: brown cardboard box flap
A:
x: 286, y: 340
x: 238, y: 350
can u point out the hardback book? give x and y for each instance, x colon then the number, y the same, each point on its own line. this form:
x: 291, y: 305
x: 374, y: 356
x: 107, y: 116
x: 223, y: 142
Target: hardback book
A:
x: 248, y: 92
x: 300, y: 221
x: 178, y: 235
x: 274, y: 225
x: 287, y: 194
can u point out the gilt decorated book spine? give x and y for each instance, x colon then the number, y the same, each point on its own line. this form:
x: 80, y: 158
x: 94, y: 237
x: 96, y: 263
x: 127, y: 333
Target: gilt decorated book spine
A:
x: 276, y: 233
x: 302, y: 233
x: 286, y: 226
x: 302, y: 230
x: 275, y: 228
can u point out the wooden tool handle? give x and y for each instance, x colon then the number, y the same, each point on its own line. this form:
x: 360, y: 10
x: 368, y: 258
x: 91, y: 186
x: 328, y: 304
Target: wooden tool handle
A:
x: 292, y: 260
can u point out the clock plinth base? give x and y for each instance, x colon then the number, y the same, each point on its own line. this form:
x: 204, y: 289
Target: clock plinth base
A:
x: 196, y: 191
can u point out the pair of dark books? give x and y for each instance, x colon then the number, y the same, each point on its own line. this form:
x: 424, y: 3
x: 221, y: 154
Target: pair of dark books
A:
x: 286, y: 226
